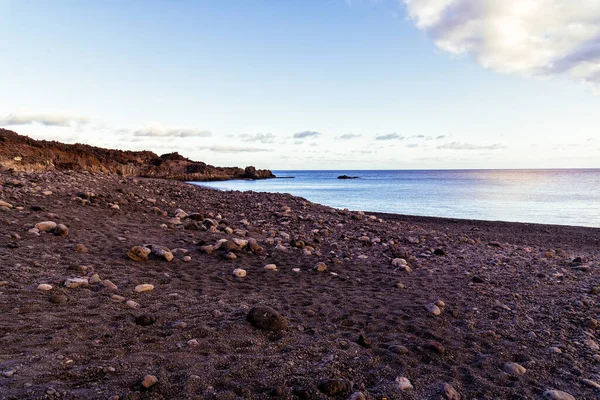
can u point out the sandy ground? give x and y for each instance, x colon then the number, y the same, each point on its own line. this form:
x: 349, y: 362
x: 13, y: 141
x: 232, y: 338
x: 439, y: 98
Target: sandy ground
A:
x: 517, y: 303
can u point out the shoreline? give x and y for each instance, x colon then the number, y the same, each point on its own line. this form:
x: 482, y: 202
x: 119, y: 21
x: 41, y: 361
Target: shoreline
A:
x: 360, y: 302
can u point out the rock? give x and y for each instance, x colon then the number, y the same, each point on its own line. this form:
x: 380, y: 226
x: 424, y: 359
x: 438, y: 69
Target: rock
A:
x: 5, y: 204
x: 47, y: 192
x: 266, y: 318
x: 320, y: 267
x: 514, y: 369
x: 76, y: 282
x: 241, y: 243
x: 590, y: 383
x: 397, y: 349
x: 255, y: 247
x: 162, y: 253
x: 95, y: 278
x: 146, y: 287
x: 440, y: 303
x: 118, y: 299
x: 109, y: 285
x: 398, y: 262
x: 335, y: 387
x: 271, y: 267
x: 295, y: 269
x: 435, y: 346
x: 226, y: 245
x: 61, y: 230
x: 230, y: 256
x: 115, y: 207
x: 364, y: 341
x: 434, y: 309
x: 44, y: 286
x: 403, y: 383
x: 132, y: 304
x: 448, y: 392
x: 187, y: 259
x: 58, y: 299
x: 144, y: 320
x: 557, y: 395
x: 46, y: 226
x: 139, y: 253
x: 240, y: 273
x: 149, y: 381
x: 357, y: 396
x: 80, y: 248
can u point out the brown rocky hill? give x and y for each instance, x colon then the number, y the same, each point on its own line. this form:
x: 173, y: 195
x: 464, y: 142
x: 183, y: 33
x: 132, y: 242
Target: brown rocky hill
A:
x: 21, y: 153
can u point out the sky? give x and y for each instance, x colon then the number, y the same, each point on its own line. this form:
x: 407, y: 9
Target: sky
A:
x: 310, y: 84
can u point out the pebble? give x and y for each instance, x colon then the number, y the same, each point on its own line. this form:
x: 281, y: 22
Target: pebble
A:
x: 115, y: 207
x: 397, y: 349
x: 95, y: 278
x: 61, y: 230
x: 240, y: 273
x: 434, y: 309
x: 514, y: 369
x: 271, y: 267
x: 556, y: 350
x: 357, y: 396
x: 403, y: 383
x: 75, y: 282
x: 296, y: 269
x: 448, y: 392
x: 109, y: 285
x: 5, y: 204
x: 162, y: 253
x: 398, y: 262
x: 266, y: 318
x: 139, y: 253
x: 149, y: 381
x: 187, y: 259
x: 193, y: 343
x: 557, y: 395
x: 9, y: 373
x: 46, y: 226
x: 146, y: 287
x: 230, y: 256
x: 117, y: 298
x: 320, y: 267
x: 590, y: 383
x: 80, y: 248
x: 44, y: 286
x: 132, y: 304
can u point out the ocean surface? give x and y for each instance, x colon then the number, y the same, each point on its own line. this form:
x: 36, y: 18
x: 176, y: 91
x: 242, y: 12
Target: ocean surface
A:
x: 563, y: 197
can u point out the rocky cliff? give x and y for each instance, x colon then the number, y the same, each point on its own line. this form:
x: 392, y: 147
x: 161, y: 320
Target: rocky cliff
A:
x: 21, y: 153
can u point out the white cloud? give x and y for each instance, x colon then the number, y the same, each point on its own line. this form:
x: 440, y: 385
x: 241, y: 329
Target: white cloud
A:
x: 305, y: 134
x: 348, y: 136
x: 160, y: 131
x: 526, y: 37
x: 231, y: 149
x: 470, y: 146
x: 390, y: 136
x: 265, y: 138
x: 46, y: 119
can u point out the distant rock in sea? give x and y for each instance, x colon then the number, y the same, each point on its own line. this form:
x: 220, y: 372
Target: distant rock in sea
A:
x: 347, y: 177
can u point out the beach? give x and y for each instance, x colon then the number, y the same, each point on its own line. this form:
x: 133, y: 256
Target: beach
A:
x: 351, y: 305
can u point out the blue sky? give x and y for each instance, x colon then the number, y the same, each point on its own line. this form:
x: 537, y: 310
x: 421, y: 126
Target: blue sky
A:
x: 313, y: 84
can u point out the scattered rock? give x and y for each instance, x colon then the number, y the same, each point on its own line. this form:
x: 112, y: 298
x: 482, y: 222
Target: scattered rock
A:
x: 240, y: 273
x: 364, y: 341
x: 132, y: 304
x: 80, y: 248
x: 146, y: 287
x: 46, y: 226
x: 149, y: 381
x: 398, y: 349
x: 320, y: 267
x: 433, y: 308
x: 109, y: 285
x: 139, y: 253
x: 335, y: 387
x: 44, y: 286
x: 5, y: 204
x: 266, y: 318
x: 61, y: 230
x: 403, y: 383
x: 271, y: 267
x: 590, y: 383
x: 95, y: 278
x: 557, y: 395
x: 449, y: 393
x: 161, y: 253
x: 187, y: 259
x: 514, y: 369
x: 76, y: 282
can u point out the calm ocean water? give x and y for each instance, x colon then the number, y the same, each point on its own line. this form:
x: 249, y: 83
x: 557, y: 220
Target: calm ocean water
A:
x: 564, y: 197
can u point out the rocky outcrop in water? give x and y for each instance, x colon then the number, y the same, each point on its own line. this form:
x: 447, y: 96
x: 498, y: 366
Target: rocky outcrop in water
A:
x: 21, y: 153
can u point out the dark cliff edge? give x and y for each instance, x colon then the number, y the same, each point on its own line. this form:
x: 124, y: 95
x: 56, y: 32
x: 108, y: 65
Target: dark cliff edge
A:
x: 21, y: 153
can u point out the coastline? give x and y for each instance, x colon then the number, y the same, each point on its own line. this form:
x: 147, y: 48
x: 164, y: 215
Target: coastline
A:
x: 356, y: 291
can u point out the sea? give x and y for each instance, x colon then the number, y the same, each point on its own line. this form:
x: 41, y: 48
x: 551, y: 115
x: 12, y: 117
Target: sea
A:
x: 551, y: 196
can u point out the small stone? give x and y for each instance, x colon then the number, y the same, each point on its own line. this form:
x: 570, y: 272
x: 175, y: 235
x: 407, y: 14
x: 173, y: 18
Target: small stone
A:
x: 397, y: 349
x: 132, y: 304
x: 271, y: 267
x: 364, y: 341
x: 400, y: 285
x: 187, y: 259
x: 434, y: 309
x: 440, y: 303
x: 5, y: 204
x: 76, y: 282
x: 44, y: 286
x: 46, y: 226
x: 109, y: 285
x: 230, y: 256
x: 357, y: 396
x: 146, y: 287
x: 179, y: 325
x: 514, y: 369
x: 295, y: 269
x: 591, y: 323
x: 95, y: 278
x: 320, y: 267
x: 118, y: 299
x: 555, y: 350
x: 139, y: 253
x: 240, y: 273
x: 404, y: 384
x: 398, y: 262
x: 47, y: 192
x: 557, y: 395
x: 61, y: 230
x: 590, y: 383
x: 335, y: 387
x: 162, y: 253
x: 144, y: 320
x: 193, y: 343
x: 58, y: 299
x: 149, y: 381
x: 115, y: 207
x: 9, y: 373
x: 449, y: 392
x: 266, y: 318
x: 80, y: 248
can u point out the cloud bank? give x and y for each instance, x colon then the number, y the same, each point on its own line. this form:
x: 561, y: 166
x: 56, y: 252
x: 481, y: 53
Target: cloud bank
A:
x: 470, y: 146
x: 390, y: 136
x: 259, y: 137
x: 159, y: 131
x: 15, y: 119
x: 525, y: 37
x: 305, y: 134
